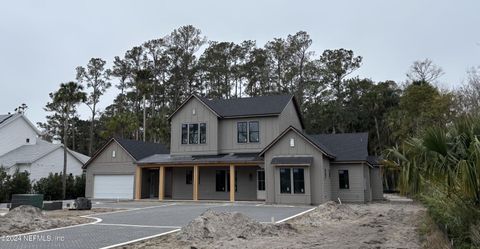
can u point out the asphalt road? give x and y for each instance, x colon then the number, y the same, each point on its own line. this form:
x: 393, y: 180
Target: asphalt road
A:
x: 141, y: 220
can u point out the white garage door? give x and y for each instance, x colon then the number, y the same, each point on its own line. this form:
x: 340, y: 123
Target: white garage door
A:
x: 113, y: 187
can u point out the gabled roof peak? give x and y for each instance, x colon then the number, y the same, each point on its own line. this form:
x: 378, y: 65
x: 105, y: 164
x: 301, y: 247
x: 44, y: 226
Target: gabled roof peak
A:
x: 255, y: 106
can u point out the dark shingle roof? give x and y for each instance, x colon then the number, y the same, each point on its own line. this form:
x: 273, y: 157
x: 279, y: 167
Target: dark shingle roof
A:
x: 253, y: 106
x: 345, y: 146
x: 140, y: 149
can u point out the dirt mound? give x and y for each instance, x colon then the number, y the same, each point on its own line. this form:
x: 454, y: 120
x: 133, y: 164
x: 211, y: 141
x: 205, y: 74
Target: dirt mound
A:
x: 213, y: 225
x: 27, y: 219
x: 329, y: 211
x: 24, y: 212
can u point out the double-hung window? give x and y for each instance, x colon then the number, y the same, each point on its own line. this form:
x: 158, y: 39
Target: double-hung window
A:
x: 242, y: 132
x: 248, y: 132
x: 194, y: 133
x: 184, y: 134
x: 292, y: 181
x: 253, y: 132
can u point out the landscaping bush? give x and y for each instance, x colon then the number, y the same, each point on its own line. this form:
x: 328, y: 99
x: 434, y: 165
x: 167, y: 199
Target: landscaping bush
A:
x: 455, y: 216
x: 51, y: 186
x: 4, y: 185
x: 18, y: 183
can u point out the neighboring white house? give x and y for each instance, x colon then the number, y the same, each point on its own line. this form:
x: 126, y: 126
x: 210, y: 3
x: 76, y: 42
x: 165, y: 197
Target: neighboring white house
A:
x: 21, y: 148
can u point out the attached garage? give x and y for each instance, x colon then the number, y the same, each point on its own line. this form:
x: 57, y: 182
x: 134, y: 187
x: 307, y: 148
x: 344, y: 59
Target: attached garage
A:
x: 113, y: 186
x: 110, y: 173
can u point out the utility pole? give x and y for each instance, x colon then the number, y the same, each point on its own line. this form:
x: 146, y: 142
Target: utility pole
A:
x: 144, y: 119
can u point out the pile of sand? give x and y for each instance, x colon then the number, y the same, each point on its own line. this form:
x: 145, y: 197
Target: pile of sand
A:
x: 329, y: 211
x: 213, y: 225
x: 330, y: 225
x: 27, y: 218
x: 24, y: 212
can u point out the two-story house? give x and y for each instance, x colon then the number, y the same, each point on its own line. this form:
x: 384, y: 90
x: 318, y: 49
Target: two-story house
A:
x: 22, y: 149
x: 253, y: 149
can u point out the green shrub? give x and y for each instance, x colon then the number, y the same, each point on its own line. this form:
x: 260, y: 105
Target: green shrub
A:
x: 19, y: 183
x: 4, y: 185
x: 454, y: 215
x: 51, y: 187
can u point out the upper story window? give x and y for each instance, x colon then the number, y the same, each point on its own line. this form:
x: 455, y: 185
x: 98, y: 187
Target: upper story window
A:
x: 253, y: 132
x: 194, y: 133
x: 248, y: 132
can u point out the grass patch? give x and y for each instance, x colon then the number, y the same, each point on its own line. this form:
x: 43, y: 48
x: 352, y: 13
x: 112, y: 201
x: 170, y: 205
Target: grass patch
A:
x: 431, y: 235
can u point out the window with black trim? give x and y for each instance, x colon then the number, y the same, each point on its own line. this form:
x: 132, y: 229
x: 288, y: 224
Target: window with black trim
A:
x: 203, y: 133
x: 248, y: 132
x: 343, y: 179
x: 253, y: 132
x: 261, y: 180
x: 194, y: 133
x: 292, y: 180
x: 285, y: 181
x: 242, y: 132
x: 298, y: 181
x: 184, y: 134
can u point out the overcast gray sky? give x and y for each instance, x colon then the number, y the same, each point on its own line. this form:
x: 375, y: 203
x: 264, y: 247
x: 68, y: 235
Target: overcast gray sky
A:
x: 42, y: 42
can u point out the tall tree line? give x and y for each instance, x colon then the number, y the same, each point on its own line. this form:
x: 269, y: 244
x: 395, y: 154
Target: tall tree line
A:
x: 155, y: 77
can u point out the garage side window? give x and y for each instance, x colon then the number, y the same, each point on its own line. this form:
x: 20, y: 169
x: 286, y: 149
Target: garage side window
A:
x: 343, y: 179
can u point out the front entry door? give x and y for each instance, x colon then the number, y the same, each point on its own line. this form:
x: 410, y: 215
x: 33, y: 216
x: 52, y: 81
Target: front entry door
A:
x: 261, y: 184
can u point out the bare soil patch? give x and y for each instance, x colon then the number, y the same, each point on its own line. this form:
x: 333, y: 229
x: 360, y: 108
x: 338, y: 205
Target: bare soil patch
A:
x: 330, y: 225
x: 26, y: 219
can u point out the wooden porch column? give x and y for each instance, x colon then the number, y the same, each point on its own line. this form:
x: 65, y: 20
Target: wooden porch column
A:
x: 232, y: 182
x: 161, y: 183
x: 195, y: 183
x: 138, y: 183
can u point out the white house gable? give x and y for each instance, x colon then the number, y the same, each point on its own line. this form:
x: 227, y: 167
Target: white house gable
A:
x: 16, y: 133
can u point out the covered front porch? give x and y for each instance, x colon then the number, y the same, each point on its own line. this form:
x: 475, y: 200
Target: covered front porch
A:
x: 200, y: 180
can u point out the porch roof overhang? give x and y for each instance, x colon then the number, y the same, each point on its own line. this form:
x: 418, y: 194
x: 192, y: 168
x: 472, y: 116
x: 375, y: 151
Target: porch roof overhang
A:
x: 237, y: 158
x: 292, y: 160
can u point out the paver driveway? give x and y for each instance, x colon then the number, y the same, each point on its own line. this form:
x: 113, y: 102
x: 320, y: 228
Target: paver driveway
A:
x: 141, y: 220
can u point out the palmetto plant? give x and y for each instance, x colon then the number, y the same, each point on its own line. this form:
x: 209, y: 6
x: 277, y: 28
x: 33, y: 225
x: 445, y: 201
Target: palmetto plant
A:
x: 447, y: 158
